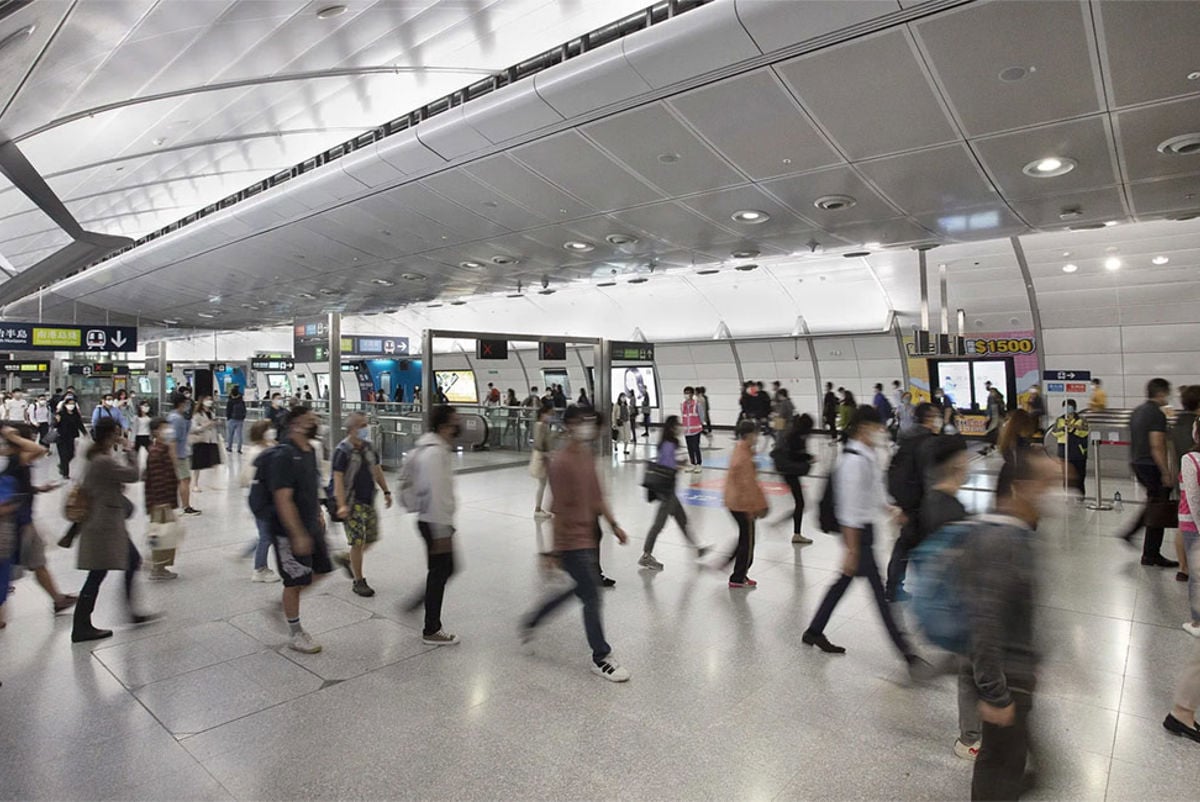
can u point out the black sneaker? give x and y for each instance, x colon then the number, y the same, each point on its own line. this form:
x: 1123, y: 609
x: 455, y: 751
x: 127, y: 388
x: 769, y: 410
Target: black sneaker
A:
x: 606, y: 582
x: 362, y: 588
x: 190, y: 511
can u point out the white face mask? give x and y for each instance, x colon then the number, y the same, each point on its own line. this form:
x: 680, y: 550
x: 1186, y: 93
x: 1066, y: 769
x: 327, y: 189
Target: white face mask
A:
x: 167, y: 434
x: 70, y: 407
x: 208, y: 404
x: 585, y: 432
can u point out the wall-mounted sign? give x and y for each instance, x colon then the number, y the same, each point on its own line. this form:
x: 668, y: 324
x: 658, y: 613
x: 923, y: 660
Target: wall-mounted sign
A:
x: 492, y: 349
x: 552, y: 351
x: 310, y: 340
x: 39, y: 337
x: 632, y: 352
x: 99, y: 370
x: 988, y: 346
x: 276, y: 364
x: 24, y: 366
x: 1066, y: 375
x: 374, y: 345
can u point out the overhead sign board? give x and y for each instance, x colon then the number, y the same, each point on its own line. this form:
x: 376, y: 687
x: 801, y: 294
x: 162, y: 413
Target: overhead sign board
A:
x: 24, y: 366
x: 552, y: 351
x: 492, y: 349
x: 374, y: 345
x: 1067, y: 375
x: 276, y: 364
x: 310, y: 340
x: 632, y: 352
x: 40, y: 337
x: 99, y: 370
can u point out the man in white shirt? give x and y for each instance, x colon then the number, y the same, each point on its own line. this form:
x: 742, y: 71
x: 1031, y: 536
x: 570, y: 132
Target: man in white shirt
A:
x: 860, y: 500
x: 434, y: 484
x: 16, y: 408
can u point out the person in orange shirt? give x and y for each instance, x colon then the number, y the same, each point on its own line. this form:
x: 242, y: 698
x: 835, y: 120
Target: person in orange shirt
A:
x: 745, y: 501
x: 1098, y: 401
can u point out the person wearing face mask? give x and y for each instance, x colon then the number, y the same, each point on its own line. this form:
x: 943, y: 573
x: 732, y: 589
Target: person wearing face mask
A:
x: 180, y: 428
x: 691, y: 424
x: 69, y: 425
x: 277, y: 414
x: 907, y: 483
x: 999, y: 568
x: 40, y: 417
x: 16, y: 408
x: 108, y: 409
x: 578, y: 505
x: 356, y: 473
x: 434, y: 481
x: 860, y: 500
x: 745, y: 501
x: 161, y: 487
x: 1071, y: 433
x: 235, y: 417
x: 259, y: 455
x: 142, y: 430
x: 204, y: 438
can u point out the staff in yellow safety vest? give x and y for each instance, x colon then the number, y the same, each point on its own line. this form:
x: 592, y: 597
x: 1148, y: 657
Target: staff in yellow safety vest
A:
x: 1071, y: 433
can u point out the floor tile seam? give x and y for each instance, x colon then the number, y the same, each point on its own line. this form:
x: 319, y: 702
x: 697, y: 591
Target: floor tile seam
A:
x: 183, y: 738
x: 262, y: 648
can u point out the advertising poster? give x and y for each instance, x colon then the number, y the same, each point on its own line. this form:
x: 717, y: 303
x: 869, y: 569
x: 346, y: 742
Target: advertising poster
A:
x: 458, y: 386
x: 634, y: 381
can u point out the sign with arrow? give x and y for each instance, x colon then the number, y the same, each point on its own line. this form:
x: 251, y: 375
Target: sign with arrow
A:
x: 1066, y: 375
x: 42, y: 337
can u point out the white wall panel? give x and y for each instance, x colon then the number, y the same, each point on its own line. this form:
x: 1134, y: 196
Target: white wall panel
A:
x: 1093, y: 340
x: 1160, y: 339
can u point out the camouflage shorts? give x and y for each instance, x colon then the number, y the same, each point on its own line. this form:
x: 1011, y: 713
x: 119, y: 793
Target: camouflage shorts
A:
x: 363, y: 524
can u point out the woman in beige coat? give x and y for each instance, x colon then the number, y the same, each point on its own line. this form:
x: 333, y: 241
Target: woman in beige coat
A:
x: 104, y: 543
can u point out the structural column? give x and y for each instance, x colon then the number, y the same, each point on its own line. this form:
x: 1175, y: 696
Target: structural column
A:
x: 335, y: 378
x: 427, y: 378
x: 603, y: 392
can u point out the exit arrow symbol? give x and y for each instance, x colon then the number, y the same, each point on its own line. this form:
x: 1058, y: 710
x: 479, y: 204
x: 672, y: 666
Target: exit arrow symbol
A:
x: 118, y: 339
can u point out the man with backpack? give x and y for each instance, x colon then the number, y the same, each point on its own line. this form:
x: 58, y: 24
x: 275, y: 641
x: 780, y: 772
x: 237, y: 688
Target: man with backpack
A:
x: 296, y: 522
x: 906, y: 483
x: 356, y: 473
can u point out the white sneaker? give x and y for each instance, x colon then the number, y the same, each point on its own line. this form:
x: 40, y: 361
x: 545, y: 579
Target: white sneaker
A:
x: 966, y: 751
x: 1191, y: 629
x: 648, y: 561
x: 799, y: 538
x: 264, y: 575
x: 611, y: 670
x: 541, y: 515
x: 303, y: 642
x: 439, y: 638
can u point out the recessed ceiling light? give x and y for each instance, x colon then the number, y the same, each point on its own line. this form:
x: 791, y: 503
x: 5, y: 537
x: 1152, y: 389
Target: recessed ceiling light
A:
x: 1016, y: 73
x: 577, y: 246
x: 872, y: 246
x: 1160, y: 260
x: 206, y: 315
x: 668, y: 158
x: 607, y: 284
x: 308, y: 295
x: 160, y: 140
x: 547, y: 291
x: 434, y: 306
x: 329, y: 12
x: 505, y: 260
x: 491, y: 204
x: 1049, y: 167
x: 708, y: 271
x: 787, y: 161
x: 746, y: 268
x: 1070, y: 268
x: 1066, y: 253
x: 471, y: 265
x: 1194, y: 76
x: 170, y: 322
x: 16, y: 36
x: 328, y: 291
x: 383, y: 282
x: 751, y: 216
x: 638, y: 280
x: 834, y: 203
x: 1109, y: 223
x: 620, y: 239
x: 1112, y: 263
x: 749, y: 253
x: 1182, y: 145
x: 412, y: 276
x: 1085, y: 227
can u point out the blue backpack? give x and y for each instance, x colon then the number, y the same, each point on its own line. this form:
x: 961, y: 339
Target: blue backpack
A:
x: 939, y: 600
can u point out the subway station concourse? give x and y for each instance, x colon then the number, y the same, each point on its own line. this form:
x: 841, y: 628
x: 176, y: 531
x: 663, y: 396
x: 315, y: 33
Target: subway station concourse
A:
x: 700, y: 219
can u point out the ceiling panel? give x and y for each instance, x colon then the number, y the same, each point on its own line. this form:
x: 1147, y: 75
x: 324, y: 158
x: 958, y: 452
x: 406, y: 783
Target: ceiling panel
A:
x: 757, y: 125
x: 676, y: 224
x: 719, y: 207
x: 801, y: 192
x: 703, y: 40
x: 775, y: 25
x: 883, y: 76
x: 484, y: 201
x: 1150, y: 47
x: 659, y: 148
x: 1140, y: 131
x: 889, y: 232
x: 1095, y: 205
x: 1087, y: 141
x: 573, y: 164
x: 442, y: 211
x: 1169, y: 195
x: 527, y: 188
x: 930, y: 180
x: 975, y: 223
x: 971, y: 46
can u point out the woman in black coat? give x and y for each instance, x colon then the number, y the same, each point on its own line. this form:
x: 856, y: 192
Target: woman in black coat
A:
x: 793, y: 461
x: 69, y: 424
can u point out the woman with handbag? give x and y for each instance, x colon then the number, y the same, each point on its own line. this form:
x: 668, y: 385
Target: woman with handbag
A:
x: 620, y: 424
x: 543, y: 441
x: 205, y: 440
x: 104, y: 543
x: 162, y: 498
x: 660, y: 486
x: 793, y: 461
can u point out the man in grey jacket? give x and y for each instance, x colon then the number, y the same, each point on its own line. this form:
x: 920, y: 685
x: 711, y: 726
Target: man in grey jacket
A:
x: 434, y: 482
x: 999, y: 569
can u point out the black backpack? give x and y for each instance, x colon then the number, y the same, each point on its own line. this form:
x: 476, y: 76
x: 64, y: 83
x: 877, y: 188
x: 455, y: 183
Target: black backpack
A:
x: 827, y: 508
x: 261, y: 503
x: 904, y: 480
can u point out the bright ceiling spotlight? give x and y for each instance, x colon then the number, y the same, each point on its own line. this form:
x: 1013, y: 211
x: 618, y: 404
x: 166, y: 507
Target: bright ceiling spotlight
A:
x: 471, y: 265
x: 751, y: 216
x: 1112, y: 263
x: 1070, y: 268
x: 577, y: 246
x: 329, y: 12
x: 872, y: 246
x: 1110, y: 223
x: 1160, y: 260
x: 383, y: 282
x: 1049, y: 167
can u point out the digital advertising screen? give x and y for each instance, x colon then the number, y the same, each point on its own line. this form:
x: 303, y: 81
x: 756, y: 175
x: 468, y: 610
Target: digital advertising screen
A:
x: 458, y: 386
x: 995, y: 371
x: 633, y: 381
x: 955, y: 379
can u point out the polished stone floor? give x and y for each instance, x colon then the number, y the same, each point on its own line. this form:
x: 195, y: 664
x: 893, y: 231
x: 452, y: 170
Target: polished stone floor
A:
x: 725, y: 701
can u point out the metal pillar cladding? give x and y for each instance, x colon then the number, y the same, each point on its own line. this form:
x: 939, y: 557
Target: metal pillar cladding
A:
x: 427, y: 378
x: 924, y: 271
x: 603, y: 400
x: 335, y: 379
x: 945, y: 302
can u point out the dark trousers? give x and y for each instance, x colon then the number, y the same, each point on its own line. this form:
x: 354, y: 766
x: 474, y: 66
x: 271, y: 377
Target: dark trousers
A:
x: 1078, y: 476
x: 668, y: 507
x: 1149, y: 477
x: 743, y: 557
x: 897, y: 568
x: 43, y: 429
x: 91, y: 585
x: 66, y: 453
x: 831, y: 425
x: 581, y: 566
x: 693, y: 448
x: 793, y: 483
x: 869, y: 571
x: 440, y: 561
x: 1000, y: 766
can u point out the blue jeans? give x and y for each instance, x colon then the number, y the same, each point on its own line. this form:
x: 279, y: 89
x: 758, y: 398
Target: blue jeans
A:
x: 263, y: 545
x: 234, y: 432
x: 1191, y: 544
x: 581, y: 565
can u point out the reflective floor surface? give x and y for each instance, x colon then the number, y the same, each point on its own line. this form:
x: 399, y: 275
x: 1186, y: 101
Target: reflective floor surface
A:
x: 725, y: 701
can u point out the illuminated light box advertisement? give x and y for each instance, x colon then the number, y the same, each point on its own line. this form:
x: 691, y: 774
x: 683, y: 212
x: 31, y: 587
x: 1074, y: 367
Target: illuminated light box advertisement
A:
x: 458, y: 386
x: 633, y: 381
